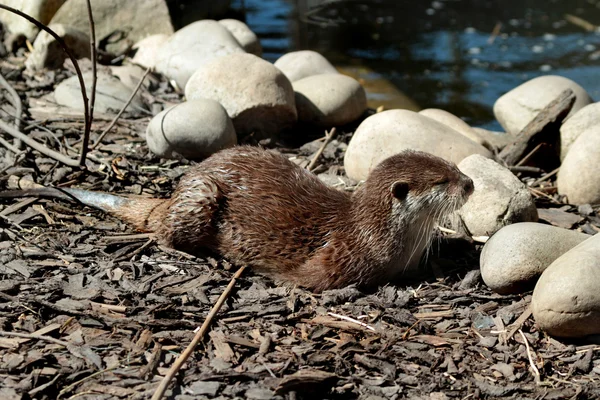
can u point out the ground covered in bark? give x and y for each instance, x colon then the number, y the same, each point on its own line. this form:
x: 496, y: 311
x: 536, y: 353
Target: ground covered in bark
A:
x: 91, y: 309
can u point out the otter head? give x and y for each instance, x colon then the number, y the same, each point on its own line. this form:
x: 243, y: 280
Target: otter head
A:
x: 421, y: 185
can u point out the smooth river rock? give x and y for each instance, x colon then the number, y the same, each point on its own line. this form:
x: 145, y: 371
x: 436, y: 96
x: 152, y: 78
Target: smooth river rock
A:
x: 514, y: 258
x: 193, y: 129
x: 41, y: 10
x: 111, y: 94
x: 499, y: 198
x: 579, y: 174
x: 242, y: 33
x: 582, y: 120
x: 453, y: 122
x: 566, y: 299
x: 192, y: 47
x: 498, y: 140
x: 257, y: 96
x: 47, y: 53
x: 301, y: 64
x: 329, y: 99
x: 146, y: 50
x: 515, y: 109
x: 389, y: 132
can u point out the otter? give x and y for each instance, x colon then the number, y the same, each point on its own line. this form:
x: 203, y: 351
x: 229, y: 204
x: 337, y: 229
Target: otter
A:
x: 255, y: 207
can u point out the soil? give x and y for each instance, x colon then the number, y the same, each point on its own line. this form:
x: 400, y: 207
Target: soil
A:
x: 103, y: 312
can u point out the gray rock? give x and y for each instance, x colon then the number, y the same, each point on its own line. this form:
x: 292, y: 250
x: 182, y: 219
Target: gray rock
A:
x: 566, y: 299
x: 587, y: 117
x: 515, y: 109
x: 47, y: 53
x: 206, y: 388
x: 147, y: 50
x: 301, y: 64
x: 192, y: 47
x: 453, y: 122
x: 194, y: 129
x: 247, y: 39
x: 499, y: 198
x: 42, y: 10
x: 111, y: 94
x: 514, y: 258
x: 389, y: 132
x: 329, y: 99
x: 579, y: 175
x: 257, y: 96
x: 139, y: 18
x: 130, y: 75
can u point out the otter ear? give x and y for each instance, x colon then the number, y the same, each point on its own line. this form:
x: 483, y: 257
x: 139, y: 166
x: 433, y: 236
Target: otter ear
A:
x: 399, y: 190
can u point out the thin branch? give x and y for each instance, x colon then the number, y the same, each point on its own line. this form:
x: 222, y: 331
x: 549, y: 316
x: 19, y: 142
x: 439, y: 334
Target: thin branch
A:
x: 37, y: 146
x: 94, y: 54
x: 17, y: 104
x: 114, y: 121
x: 61, y: 42
x: 328, y: 136
x: 354, y: 321
x: 162, y: 388
x: 534, y: 369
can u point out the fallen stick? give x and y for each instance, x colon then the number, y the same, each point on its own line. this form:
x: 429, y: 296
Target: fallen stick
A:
x: 90, y: 116
x: 328, y: 136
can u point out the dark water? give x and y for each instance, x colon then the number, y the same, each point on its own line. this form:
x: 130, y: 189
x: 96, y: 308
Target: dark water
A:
x: 442, y: 53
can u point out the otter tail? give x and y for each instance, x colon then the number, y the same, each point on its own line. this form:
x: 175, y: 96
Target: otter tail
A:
x: 141, y: 212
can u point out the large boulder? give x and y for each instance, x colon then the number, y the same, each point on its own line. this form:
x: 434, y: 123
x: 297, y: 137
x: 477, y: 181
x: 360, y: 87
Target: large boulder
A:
x: 582, y: 120
x: 257, y: 96
x: 138, y: 18
x: 499, y: 198
x: 453, y: 122
x: 41, y: 10
x: 329, y: 99
x: 147, y: 50
x: 514, y: 258
x: 301, y: 64
x: 192, y: 47
x: 194, y: 129
x: 247, y: 39
x: 566, y: 299
x: 515, y: 109
x: 390, y: 132
x: 579, y: 175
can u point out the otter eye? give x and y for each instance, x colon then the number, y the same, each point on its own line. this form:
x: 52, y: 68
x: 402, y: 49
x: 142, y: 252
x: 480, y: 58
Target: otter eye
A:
x: 399, y: 190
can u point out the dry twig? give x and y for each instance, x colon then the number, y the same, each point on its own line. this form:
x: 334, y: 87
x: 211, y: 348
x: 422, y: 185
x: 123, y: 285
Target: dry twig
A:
x: 328, y: 136
x: 90, y: 116
x: 160, y: 391
x: 17, y: 104
x: 534, y: 369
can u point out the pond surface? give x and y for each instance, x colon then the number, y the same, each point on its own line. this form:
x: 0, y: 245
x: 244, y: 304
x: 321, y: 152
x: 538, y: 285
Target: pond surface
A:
x: 458, y: 55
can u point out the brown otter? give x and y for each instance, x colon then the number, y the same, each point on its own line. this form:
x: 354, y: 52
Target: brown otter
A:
x: 256, y: 207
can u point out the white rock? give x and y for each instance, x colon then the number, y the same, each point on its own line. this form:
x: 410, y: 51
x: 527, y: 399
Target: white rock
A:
x: 193, y: 129
x: 47, y: 53
x: 579, y: 175
x: 515, y: 109
x: 587, y: 117
x: 329, y: 99
x: 257, y: 96
x: 301, y: 64
x: 137, y: 18
x: 42, y: 10
x: 192, y: 47
x: 514, y: 258
x: 147, y: 50
x: 499, y: 198
x: 389, y: 132
x: 453, y: 122
x: 566, y: 299
x: 111, y: 94
x: 247, y: 39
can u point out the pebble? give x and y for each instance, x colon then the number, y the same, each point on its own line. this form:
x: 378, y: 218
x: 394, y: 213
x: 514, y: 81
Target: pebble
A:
x: 587, y: 117
x: 147, y: 50
x: 257, y: 96
x: 566, y: 299
x: 304, y: 63
x: 193, y: 129
x: 499, y: 198
x: 514, y: 258
x: 329, y: 99
x: 111, y: 94
x: 247, y: 39
x: 453, y: 122
x: 47, y: 52
x: 389, y: 132
x: 192, y: 47
x: 515, y: 109
x: 579, y: 174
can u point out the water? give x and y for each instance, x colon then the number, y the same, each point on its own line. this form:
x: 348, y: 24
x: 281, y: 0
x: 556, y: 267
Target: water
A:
x: 441, y: 54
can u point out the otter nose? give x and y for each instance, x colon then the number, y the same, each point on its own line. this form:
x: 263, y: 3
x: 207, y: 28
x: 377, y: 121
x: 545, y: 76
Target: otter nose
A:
x: 467, y: 184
